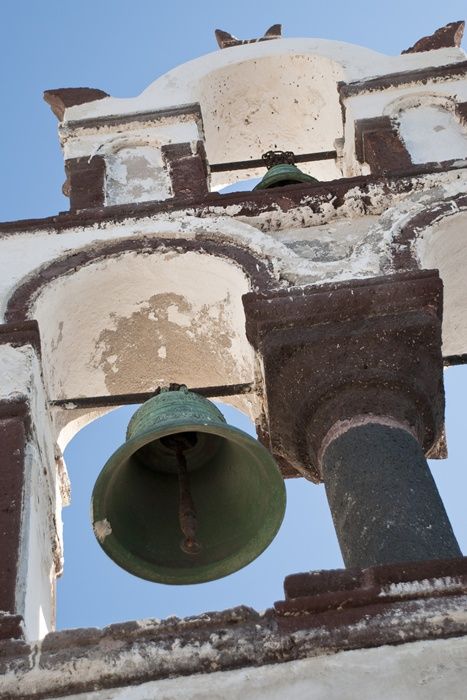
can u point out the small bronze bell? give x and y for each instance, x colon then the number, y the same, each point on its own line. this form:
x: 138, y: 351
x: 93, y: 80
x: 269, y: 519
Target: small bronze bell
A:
x: 187, y: 498
x: 282, y: 171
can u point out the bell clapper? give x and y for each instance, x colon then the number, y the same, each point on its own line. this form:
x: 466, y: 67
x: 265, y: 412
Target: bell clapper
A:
x: 186, y: 508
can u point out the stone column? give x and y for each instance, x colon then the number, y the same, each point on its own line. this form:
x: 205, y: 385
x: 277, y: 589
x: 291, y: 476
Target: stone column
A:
x: 384, y: 502
x: 353, y: 381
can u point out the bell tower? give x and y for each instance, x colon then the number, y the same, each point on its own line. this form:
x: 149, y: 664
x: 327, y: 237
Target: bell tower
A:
x: 325, y: 303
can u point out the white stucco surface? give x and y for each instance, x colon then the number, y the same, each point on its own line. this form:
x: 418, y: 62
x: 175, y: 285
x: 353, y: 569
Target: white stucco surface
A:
x: 40, y: 554
x: 431, y: 133
x: 15, y: 375
x: 263, y: 96
x: 136, y: 320
x: 418, y: 671
x: 443, y: 247
x: 181, y: 85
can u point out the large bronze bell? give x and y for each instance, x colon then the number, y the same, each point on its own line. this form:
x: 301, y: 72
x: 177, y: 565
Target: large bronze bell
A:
x: 187, y: 498
x: 282, y: 171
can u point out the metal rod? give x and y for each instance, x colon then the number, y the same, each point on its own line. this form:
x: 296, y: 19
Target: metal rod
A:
x: 259, y: 163
x: 127, y: 399
x: 186, y: 507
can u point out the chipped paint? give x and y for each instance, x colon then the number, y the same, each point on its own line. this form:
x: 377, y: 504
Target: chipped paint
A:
x: 102, y: 529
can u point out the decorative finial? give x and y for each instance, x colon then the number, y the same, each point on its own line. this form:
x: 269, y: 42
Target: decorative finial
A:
x: 226, y: 40
x: 444, y: 37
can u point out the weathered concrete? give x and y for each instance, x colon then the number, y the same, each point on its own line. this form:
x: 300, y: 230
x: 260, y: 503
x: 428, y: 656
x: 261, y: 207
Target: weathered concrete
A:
x: 384, y: 502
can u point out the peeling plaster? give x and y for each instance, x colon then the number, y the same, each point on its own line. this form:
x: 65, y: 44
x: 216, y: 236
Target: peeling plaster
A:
x: 419, y: 671
x: 181, y: 85
x: 432, y: 134
x: 103, y: 326
x: 40, y: 551
x: 136, y: 175
x: 102, y: 529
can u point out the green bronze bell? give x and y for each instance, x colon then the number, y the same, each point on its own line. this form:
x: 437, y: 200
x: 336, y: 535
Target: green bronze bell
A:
x: 187, y: 498
x: 281, y: 171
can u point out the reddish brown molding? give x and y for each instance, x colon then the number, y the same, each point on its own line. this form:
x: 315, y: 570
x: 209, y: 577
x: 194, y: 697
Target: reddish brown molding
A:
x: 259, y: 273
x: 334, y: 351
x: 248, y: 204
x: 444, y: 37
x: 226, y: 40
x: 111, y: 120
x: 378, y: 143
x: 188, y: 171
x: 12, y: 446
x: 309, y: 584
x: 85, y: 183
x: 390, y: 80
x: 461, y: 112
x: 432, y: 608
x: 15, y: 423
x: 21, y: 333
x: 347, y: 595
x: 402, y: 246
x: 11, y: 627
x: 62, y: 98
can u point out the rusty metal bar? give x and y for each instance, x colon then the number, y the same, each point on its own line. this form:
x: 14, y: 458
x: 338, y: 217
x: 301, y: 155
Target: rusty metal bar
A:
x: 259, y: 163
x: 127, y: 399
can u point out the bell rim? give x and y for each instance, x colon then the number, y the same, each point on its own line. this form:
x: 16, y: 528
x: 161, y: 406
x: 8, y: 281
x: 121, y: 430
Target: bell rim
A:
x: 294, y: 174
x: 208, y: 572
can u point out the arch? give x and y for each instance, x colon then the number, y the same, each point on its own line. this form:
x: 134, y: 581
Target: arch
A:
x: 286, y: 102
x: 127, y: 316
x: 429, y: 127
x: 435, y: 238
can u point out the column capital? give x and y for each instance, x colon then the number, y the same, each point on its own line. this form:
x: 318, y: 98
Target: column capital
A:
x: 331, y: 352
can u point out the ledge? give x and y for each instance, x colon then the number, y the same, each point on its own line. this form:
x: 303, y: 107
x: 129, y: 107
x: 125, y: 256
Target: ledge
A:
x: 390, y: 605
x: 248, y: 203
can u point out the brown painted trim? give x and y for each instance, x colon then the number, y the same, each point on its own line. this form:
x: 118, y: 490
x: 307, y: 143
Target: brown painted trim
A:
x: 11, y: 627
x: 378, y: 143
x: 12, y: 445
x: 259, y: 272
x: 318, y: 582
x: 225, y: 40
x: 188, y: 171
x: 402, y: 252
x: 238, y: 638
x: 367, y: 296
x: 21, y: 333
x: 390, y: 80
x: 461, y: 112
x: 150, y: 116
x: 62, y: 98
x: 444, y: 37
x: 452, y: 360
x: 343, y: 589
x: 249, y: 203
x: 334, y: 351
x: 85, y: 182
x: 129, y: 399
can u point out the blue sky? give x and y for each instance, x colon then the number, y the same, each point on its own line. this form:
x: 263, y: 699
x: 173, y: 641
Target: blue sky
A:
x: 121, y: 48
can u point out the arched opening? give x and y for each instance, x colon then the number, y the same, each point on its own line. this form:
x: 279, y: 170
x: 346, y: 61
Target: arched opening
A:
x: 442, y: 247
x: 429, y: 127
x: 94, y: 591
x: 129, y: 322
x: 278, y: 102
